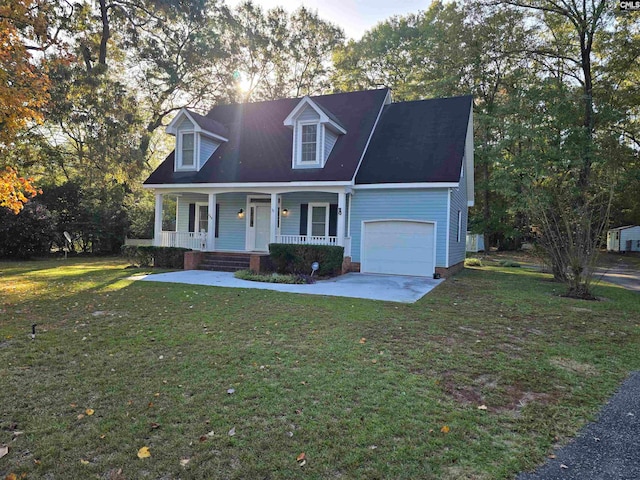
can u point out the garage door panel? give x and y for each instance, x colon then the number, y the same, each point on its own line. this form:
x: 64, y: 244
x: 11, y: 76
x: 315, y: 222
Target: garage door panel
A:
x: 398, y: 247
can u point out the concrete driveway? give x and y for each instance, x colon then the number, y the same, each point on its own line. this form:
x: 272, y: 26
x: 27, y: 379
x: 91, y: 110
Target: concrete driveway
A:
x: 390, y: 288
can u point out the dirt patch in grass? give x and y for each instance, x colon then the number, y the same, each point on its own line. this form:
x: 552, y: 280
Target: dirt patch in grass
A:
x: 574, y: 366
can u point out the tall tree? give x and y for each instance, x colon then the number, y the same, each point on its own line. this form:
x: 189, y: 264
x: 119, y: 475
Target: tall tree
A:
x: 276, y: 55
x: 23, y: 89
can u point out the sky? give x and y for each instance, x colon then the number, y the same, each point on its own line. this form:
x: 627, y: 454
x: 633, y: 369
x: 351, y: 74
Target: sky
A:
x: 354, y: 16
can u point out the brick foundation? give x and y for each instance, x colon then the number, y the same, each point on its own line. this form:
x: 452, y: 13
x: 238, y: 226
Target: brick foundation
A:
x: 349, y: 266
x: 192, y: 259
x: 260, y: 262
x: 451, y: 271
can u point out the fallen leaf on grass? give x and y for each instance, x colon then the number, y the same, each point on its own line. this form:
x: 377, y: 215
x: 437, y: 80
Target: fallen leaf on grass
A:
x: 11, y: 476
x: 232, y: 432
x: 301, y: 459
x: 144, y: 452
x: 80, y: 416
x: 154, y: 426
x: 552, y: 456
x: 562, y: 465
x: 445, y: 429
x: 231, y: 391
x: 363, y: 340
x: 184, y: 461
x: 482, y: 407
x: 84, y: 462
x: 3, y: 450
x: 89, y: 411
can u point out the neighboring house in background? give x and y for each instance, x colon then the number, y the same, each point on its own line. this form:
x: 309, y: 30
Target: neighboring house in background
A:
x: 390, y: 182
x: 624, y: 239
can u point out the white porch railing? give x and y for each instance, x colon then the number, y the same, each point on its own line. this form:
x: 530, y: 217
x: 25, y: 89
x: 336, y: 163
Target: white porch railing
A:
x: 306, y: 240
x: 192, y: 240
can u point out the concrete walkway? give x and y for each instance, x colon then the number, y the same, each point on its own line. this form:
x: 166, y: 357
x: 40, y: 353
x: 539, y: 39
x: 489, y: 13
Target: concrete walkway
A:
x: 607, y: 449
x: 390, y: 288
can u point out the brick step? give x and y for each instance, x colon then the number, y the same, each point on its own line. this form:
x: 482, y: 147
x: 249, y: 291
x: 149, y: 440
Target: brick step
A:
x: 217, y: 268
x: 223, y: 263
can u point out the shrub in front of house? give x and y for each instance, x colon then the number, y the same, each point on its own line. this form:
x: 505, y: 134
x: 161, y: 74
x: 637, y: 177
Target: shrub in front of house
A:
x: 162, y: 257
x: 274, y: 277
x: 473, y: 262
x: 297, y: 259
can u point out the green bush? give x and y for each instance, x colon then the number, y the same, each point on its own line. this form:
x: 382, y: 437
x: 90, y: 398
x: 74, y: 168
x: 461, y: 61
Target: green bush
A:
x: 297, y: 259
x: 162, y: 257
x: 27, y: 234
x: 473, y: 262
x: 273, y: 277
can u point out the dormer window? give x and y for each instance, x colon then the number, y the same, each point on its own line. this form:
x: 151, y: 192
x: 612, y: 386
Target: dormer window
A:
x: 186, y: 151
x: 309, y: 143
x: 197, y: 138
x: 315, y: 132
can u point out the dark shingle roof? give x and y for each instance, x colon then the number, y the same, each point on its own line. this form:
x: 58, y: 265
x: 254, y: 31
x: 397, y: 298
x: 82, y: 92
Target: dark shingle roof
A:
x: 209, y: 124
x: 420, y: 141
x: 260, y: 145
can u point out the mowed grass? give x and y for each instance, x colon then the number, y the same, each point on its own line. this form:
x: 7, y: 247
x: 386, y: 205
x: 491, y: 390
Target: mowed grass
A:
x: 367, y: 390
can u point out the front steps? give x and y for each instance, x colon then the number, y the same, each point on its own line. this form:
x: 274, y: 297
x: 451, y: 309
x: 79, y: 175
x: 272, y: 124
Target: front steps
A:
x: 225, y: 262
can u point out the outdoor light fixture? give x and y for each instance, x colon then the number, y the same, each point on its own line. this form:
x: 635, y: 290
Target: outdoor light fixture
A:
x: 285, y: 213
x: 241, y: 213
x: 339, y: 211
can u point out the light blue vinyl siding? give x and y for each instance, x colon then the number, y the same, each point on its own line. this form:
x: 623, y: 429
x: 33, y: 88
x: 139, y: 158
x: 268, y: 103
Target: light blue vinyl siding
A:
x: 185, y: 124
x: 457, y: 249
x: 290, y: 225
x: 330, y: 140
x: 182, y: 224
x: 308, y: 114
x: 410, y: 204
x: 232, y: 230
x: 207, y: 147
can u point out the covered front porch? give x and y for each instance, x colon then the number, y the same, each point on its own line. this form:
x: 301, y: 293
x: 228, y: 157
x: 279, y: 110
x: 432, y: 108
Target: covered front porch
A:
x: 232, y: 220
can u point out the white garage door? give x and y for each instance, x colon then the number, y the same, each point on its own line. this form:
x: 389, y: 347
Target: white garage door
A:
x: 398, y: 247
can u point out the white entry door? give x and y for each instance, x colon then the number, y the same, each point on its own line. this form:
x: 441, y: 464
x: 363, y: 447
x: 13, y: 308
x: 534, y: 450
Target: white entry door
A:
x: 262, y: 227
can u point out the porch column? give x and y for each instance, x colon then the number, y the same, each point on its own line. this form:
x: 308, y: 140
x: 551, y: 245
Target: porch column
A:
x: 342, y: 215
x: 274, y: 218
x: 211, y: 223
x: 157, y: 225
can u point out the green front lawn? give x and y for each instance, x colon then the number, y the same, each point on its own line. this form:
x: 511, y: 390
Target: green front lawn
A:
x: 367, y: 390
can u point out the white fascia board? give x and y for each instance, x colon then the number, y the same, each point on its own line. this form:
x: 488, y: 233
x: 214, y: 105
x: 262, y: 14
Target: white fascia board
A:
x: 374, y: 186
x: 273, y: 187
x: 324, y: 119
x: 172, y: 127
x: 173, y: 130
x: 468, y: 158
x: 206, y: 133
x: 387, y: 100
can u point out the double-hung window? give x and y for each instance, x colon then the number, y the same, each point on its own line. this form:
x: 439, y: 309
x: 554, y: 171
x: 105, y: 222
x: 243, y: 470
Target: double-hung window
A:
x: 318, y: 219
x: 309, y: 143
x: 187, y: 152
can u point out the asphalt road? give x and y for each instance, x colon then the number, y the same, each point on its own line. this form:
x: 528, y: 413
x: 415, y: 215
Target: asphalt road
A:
x: 607, y: 449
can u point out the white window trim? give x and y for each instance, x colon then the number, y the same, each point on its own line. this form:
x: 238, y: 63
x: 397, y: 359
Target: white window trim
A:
x: 310, y: 218
x: 196, y: 220
x: 196, y: 151
x: 459, y: 236
x: 297, y: 157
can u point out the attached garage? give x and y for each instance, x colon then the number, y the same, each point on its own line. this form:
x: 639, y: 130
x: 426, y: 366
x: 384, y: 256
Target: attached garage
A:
x: 398, y: 247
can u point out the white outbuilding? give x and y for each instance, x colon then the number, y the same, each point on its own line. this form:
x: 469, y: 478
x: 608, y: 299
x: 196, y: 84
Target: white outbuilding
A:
x: 624, y: 239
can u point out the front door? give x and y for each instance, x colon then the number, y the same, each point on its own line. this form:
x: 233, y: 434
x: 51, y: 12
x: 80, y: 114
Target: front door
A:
x: 262, y: 227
